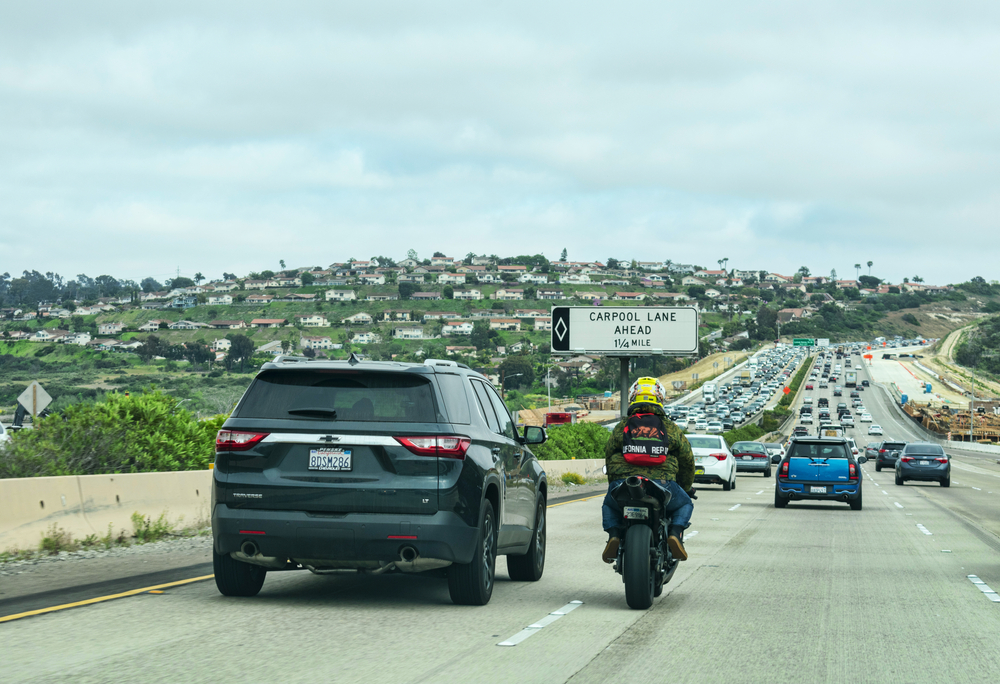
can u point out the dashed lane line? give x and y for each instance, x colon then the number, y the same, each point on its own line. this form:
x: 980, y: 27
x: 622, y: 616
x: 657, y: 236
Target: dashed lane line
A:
x: 536, y: 627
x: 898, y: 505
x: 923, y: 529
x: 761, y: 491
x: 735, y: 507
x: 983, y: 587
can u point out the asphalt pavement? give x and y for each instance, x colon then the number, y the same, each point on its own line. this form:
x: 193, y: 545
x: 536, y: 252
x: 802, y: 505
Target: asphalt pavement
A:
x: 808, y: 593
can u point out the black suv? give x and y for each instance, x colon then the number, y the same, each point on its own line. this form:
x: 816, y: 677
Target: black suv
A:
x: 888, y: 452
x: 379, y: 467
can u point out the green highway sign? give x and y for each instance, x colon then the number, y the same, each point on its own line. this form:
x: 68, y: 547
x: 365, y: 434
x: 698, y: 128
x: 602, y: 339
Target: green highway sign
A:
x: 803, y: 342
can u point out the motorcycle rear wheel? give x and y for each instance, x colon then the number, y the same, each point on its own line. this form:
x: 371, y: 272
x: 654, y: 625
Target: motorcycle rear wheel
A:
x: 639, y: 576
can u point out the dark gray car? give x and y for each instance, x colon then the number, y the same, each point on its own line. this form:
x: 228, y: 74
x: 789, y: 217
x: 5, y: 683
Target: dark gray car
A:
x: 888, y: 453
x: 378, y: 467
x: 923, y: 461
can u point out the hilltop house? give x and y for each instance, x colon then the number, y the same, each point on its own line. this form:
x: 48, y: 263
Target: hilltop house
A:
x: 340, y: 296
x: 110, y: 328
x: 360, y: 318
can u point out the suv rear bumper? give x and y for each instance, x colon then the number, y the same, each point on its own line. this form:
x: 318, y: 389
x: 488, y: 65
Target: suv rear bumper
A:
x: 349, y: 537
x: 835, y: 491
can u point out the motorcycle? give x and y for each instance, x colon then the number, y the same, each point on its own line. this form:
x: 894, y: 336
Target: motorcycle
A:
x: 644, y: 559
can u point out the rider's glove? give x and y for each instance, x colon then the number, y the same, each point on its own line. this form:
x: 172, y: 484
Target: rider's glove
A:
x: 692, y: 493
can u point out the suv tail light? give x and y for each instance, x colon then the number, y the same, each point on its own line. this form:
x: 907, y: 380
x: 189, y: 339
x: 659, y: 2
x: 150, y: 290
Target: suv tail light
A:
x: 905, y: 459
x: 720, y: 456
x: 237, y: 440
x: 881, y: 451
x: 449, y: 446
x: 853, y: 471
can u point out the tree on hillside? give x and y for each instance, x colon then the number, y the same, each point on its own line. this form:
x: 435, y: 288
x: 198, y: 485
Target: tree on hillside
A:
x: 518, y: 365
x: 228, y: 276
x: 307, y: 278
x: 198, y: 277
x: 150, y: 285
x: 282, y: 262
x: 439, y: 254
x: 406, y: 290
x: 412, y: 254
x: 870, y: 267
x: 180, y: 281
x: 563, y: 255
x: 869, y: 282
x: 448, y: 292
x: 242, y: 349
x: 917, y: 279
x: 857, y: 270
x: 612, y: 264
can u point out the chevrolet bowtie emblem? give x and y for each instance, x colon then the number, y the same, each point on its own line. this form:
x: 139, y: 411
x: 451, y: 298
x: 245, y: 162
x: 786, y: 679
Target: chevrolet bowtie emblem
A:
x: 329, y: 438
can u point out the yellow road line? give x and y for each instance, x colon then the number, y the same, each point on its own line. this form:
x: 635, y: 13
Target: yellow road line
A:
x: 588, y: 498
x: 99, y: 599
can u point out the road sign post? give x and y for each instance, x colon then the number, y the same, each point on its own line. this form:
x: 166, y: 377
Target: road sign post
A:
x: 34, y: 399
x: 625, y: 332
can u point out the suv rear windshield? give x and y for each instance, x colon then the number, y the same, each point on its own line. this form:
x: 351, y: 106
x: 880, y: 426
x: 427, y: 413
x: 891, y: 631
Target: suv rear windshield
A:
x: 340, y: 395
x: 893, y: 446
x: 813, y: 450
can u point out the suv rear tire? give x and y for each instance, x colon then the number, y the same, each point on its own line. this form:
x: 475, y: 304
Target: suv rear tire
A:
x: 530, y: 566
x: 235, y: 578
x: 471, y: 584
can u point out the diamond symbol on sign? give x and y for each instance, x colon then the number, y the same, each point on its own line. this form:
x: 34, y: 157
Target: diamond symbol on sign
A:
x: 561, y: 329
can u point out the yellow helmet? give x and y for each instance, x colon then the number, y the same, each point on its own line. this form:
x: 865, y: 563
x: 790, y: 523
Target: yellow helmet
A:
x: 647, y: 391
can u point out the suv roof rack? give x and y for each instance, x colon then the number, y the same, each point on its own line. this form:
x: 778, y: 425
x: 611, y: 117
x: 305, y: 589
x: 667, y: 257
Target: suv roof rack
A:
x: 445, y: 362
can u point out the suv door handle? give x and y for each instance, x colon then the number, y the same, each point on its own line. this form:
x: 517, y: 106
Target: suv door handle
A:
x: 496, y: 452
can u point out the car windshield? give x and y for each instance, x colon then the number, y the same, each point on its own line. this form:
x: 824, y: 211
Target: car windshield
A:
x: 925, y: 450
x: 704, y: 442
x: 339, y: 395
x: 800, y: 450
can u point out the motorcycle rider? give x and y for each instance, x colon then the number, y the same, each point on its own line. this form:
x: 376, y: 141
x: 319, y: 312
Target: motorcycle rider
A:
x: 636, y: 447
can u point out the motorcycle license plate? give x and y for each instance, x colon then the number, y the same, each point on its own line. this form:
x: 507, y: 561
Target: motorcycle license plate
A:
x: 817, y: 490
x: 699, y: 471
x: 636, y: 513
x: 330, y: 459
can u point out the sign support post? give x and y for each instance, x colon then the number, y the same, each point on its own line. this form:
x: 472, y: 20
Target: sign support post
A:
x: 623, y: 385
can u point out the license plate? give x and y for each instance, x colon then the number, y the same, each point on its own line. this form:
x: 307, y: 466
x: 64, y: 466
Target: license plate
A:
x: 748, y: 458
x: 330, y: 459
x: 817, y: 490
x: 699, y: 471
x: 925, y: 463
x: 636, y: 513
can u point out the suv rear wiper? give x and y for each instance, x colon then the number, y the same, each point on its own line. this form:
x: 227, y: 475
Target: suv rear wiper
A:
x: 319, y: 411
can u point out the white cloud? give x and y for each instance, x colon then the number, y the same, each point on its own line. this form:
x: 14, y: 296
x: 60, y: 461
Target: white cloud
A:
x: 776, y: 133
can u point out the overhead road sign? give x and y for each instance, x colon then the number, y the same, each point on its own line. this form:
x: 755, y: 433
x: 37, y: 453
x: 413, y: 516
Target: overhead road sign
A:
x: 625, y: 331
x: 34, y: 399
x: 823, y: 342
x: 803, y: 342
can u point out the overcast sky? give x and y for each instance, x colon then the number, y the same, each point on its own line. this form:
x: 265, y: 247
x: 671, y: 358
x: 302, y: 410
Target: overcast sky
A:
x: 136, y: 140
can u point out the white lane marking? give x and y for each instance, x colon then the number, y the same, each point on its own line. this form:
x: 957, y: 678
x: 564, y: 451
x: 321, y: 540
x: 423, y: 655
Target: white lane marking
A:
x: 762, y: 491
x: 898, y: 505
x: 923, y: 529
x: 977, y: 489
x: 735, y: 507
x: 544, y: 622
x: 692, y: 533
x: 983, y: 587
x: 884, y: 492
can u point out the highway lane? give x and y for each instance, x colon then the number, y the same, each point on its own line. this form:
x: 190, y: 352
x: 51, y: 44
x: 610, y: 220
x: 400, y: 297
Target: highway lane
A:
x: 815, y: 593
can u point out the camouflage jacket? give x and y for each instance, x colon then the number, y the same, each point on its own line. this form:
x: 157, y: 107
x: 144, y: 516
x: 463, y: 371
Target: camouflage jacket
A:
x: 680, y: 461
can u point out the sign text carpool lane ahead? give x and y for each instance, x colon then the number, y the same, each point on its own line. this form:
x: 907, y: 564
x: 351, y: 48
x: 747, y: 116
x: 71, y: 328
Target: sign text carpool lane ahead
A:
x: 625, y: 331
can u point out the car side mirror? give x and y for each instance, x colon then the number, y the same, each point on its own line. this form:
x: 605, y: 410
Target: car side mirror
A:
x: 534, y: 434
x: 776, y: 460
x: 862, y: 459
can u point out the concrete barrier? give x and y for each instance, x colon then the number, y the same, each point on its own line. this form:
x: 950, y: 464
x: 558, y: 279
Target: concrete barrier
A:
x: 87, y: 504
x: 587, y: 467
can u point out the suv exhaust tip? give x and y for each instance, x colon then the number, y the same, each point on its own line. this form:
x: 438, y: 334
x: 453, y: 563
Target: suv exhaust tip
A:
x: 408, y: 554
x: 248, y: 548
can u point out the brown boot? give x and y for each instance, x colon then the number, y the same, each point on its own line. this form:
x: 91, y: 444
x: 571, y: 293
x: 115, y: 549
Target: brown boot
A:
x: 611, y: 550
x: 674, y: 537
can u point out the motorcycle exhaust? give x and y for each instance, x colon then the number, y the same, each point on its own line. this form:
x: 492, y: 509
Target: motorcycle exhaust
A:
x: 634, y: 486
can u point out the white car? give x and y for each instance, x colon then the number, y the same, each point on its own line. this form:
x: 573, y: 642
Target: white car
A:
x: 701, y: 425
x: 875, y: 429
x: 715, y: 428
x: 806, y: 419
x: 713, y: 461
x: 866, y: 418
x: 857, y: 368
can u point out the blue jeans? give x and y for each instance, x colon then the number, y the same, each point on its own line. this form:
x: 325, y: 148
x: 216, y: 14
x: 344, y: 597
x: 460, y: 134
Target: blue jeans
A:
x: 679, y: 509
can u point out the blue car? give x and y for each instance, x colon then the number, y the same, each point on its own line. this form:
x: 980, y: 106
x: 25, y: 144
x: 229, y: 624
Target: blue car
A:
x: 818, y: 469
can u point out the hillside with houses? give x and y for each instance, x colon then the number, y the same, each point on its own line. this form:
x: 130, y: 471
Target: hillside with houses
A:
x: 477, y: 309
